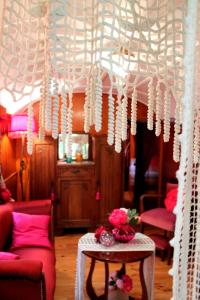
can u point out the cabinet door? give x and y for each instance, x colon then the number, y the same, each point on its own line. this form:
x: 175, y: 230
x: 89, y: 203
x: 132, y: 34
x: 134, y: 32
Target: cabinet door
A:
x: 43, y: 163
x: 109, y: 177
x: 76, y: 202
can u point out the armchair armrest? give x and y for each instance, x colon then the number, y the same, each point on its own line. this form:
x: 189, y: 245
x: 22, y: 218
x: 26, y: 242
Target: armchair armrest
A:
x: 145, y: 197
x: 21, y: 269
x: 22, y: 279
x: 34, y: 207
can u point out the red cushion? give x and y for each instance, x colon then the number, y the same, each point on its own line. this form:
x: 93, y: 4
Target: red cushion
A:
x: 8, y: 256
x: 47, y: 257
x: 6, y: 223
x: 171, y: 199
x: 159, y: 217
x: 30, y: 230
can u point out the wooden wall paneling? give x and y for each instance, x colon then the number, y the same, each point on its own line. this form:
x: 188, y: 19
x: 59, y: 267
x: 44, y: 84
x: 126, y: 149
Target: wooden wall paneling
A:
x: 8, y: 163
x: 43, y: 164
x: 109, y: 177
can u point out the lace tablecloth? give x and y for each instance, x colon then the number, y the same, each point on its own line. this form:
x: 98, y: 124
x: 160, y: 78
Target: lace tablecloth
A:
x: 140, y: 243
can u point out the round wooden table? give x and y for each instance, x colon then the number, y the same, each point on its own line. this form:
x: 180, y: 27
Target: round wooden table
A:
x: 122, y: 257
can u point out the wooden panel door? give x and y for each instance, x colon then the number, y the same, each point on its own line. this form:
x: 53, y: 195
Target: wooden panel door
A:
x: 43, y: 162
x: 76, y: 202
x: 109, y: 177
x: 76, y: 195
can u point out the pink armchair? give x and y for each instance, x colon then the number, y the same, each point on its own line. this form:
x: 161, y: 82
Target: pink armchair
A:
x: 160, y: 218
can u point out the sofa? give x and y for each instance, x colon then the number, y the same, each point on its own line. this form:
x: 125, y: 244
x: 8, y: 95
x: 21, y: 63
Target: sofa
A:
x: 30, y: 271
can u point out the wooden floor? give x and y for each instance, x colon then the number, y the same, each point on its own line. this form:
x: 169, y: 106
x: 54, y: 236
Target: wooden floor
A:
x: 66, y: 250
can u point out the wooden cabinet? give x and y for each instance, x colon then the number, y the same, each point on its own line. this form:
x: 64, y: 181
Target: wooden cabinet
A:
x: 77, y: 183
x: 43, y: 163
x: 109, y: 177
x: 77, y: 206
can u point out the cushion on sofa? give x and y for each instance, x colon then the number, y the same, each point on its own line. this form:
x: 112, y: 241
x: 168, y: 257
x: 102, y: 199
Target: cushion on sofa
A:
x: 6, y: 223
x: 47, y: 257
x: 8, y: 256
x: 30, y: 230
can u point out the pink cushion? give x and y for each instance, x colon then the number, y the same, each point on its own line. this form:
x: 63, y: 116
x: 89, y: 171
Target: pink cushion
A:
x: 8, y: 256
x: 30, y: 230
x: 171, y: 199
x: 159, y: 217
x: 47, y: 257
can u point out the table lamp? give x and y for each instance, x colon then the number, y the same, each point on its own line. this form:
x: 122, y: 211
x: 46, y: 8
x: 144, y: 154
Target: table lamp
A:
x: 18, y: 129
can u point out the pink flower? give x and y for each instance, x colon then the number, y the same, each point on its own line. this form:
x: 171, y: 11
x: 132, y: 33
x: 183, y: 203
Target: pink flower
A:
x: 127, y: 283
x: 113, y: 275
x: 118, y: 217
x: 120, y: 284
x: 99, y: 232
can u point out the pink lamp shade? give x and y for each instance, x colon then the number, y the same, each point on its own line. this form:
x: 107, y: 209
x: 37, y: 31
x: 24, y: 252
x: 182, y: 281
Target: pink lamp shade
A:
x: 18, y: 125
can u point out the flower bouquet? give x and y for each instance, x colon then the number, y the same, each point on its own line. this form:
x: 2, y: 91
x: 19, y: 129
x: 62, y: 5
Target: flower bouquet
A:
x: 121, y: 227
x: 119, y: 285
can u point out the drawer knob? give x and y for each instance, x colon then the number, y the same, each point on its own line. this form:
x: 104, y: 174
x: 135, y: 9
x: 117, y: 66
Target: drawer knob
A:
x: 75, y: 171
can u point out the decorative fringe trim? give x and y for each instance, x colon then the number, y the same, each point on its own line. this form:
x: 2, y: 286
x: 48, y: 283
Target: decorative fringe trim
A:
x: 41, y: 133
x: 176, y: 143
x: 158, y: 109
x: 30, y: 129
x: 150, y: 105
x: 98, y: 102
x: 63, y: 113
x: 134, y: 111
x: 167, y: 102
x: 69, y: 125
x: 118, y: 123
x: 48, y: 106
x: 124, y: 116
x: 111, y: 118
x: 55, y: 110
x: 196, y: 146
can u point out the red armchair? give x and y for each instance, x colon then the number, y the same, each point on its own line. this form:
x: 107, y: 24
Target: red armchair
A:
x: 160, y: 218
x: 32, y: 276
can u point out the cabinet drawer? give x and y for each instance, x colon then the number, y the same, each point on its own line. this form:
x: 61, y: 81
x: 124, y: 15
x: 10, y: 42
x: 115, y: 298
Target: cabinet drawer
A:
x: 75, y: 171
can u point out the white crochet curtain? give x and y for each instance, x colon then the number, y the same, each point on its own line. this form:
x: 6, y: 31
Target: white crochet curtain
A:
x: 52, y: 45
x: 186, y: 263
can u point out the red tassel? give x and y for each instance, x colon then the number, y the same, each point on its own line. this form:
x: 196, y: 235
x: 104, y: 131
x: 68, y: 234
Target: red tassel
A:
x: 98, y: 196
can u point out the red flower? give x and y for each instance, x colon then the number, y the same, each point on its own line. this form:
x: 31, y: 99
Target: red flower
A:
x: 127, y: 283
x: 99, y: 232
x: 118, y: 217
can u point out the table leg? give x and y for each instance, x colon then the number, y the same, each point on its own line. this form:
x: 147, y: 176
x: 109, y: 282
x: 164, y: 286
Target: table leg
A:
x: 106, y: 280
x: 89, y: 288
x: 143, y: 284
